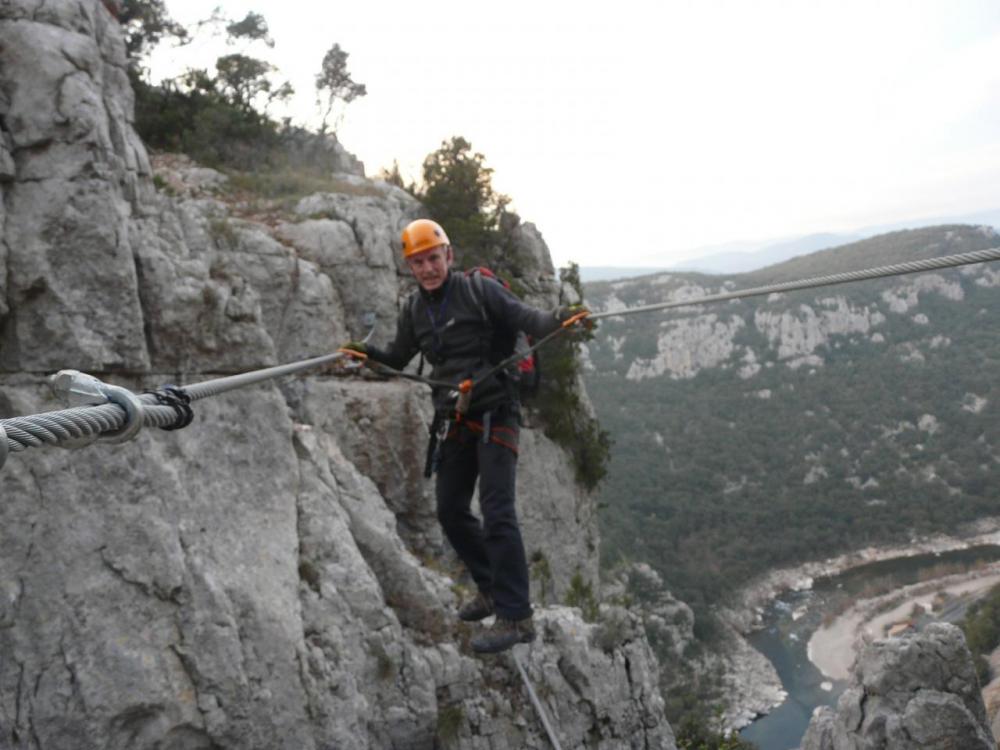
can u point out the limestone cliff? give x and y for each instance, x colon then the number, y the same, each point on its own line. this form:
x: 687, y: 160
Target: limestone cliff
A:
x: 772, y: 432
x: 918, y: 692
x: 273, y: 575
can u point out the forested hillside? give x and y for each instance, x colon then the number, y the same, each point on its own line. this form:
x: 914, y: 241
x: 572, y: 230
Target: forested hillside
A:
x: 760, y: 433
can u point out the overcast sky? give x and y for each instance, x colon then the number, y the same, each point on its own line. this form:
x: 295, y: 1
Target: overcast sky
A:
x: 634, y: 133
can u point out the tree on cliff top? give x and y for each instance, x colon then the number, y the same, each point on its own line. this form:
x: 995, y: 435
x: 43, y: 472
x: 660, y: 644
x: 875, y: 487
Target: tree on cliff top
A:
x: 146, y: 23
x: 334, y: 83
x: 221, y: 117
x: 458, y: 192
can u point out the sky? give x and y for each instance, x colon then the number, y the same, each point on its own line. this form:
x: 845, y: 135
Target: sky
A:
x: 639, y: 133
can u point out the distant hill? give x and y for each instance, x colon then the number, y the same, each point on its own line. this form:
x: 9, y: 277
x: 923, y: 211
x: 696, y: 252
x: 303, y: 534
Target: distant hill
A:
x: 990, y: 218
x: 761, y: 433
x: 611, y: 273
x: 745, y: 256
x: 741, y: 262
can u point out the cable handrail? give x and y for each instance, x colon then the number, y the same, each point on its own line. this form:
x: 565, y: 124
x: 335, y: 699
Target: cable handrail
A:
x: 896, y: 269
x: 115, y: 414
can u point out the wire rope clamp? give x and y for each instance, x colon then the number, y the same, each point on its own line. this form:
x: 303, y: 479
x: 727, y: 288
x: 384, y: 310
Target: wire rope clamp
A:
x: 79, y: 389
x: 3, y: 446
x: 133, y: 414
x: 180, y: 401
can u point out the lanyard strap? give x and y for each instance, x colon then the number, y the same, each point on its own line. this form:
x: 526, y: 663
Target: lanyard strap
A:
x: 438, y: 319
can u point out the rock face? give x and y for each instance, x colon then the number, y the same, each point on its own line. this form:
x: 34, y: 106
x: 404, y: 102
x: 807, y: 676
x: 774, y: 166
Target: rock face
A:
x: 687, y: 346
x: 77, y: 163
x: 740, y: 673
x: 697, y: 338
x: 272, y: 576
x: 913, y: 693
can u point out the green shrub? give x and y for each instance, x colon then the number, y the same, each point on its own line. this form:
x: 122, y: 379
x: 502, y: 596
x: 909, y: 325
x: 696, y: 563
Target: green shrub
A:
x: 458, y: 192
x: 449, y: 723
x: 223, y: 233
x: 982, y: 631
x: 694, y: 733
x: 581, y: 594
x: 203, y: 124
x: 565, y: 419
x: 613, y: 629
x: 285, y: 186
x: 542, y: 572
x: 385, y: 667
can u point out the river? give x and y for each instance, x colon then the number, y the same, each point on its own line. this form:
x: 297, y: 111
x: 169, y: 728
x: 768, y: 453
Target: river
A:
x: 791, y: 619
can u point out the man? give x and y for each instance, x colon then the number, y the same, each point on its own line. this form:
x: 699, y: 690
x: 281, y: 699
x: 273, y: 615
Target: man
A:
x: 464, y: 326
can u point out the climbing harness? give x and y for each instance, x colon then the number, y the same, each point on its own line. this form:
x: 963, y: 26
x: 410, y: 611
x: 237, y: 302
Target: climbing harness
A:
x: 116, y: 414
x: 505, y: 437
x: 537, y: 703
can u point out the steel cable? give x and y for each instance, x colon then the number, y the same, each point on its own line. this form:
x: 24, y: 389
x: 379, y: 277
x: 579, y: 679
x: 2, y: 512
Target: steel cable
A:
x: 553, y: 738
x: 896, y: 269
x: 78, y: 423
x: 231, y: 382
x: 81, y: 422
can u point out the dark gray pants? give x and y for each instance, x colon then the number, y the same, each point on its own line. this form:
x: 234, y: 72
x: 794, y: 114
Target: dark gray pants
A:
x: 492, y: 550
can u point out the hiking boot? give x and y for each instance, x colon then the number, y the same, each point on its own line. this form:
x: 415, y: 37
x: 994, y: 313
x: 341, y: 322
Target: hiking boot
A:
x: 478, y: 609
x: 503, y: 635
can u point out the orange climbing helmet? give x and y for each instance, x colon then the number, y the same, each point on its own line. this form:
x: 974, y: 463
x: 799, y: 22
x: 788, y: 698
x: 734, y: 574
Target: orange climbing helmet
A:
x: 421, y: 235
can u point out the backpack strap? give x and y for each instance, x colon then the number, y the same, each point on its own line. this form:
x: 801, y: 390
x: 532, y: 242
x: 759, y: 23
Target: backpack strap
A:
x: 412, y: 302
x: 475, y: 277
x: 412, y: 309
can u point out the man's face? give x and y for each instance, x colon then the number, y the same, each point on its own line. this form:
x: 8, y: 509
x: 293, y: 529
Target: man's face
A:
x: 430, y: 268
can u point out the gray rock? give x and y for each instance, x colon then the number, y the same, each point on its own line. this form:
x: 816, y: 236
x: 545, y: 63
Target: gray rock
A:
x: 558, y: 520
x: 910, y: 693
x: 7, y: 168
x: 242, y: 584
x: 137, y: 616
x: 71, y: 278
x: 821, y: 730
x: 273, y: 576
x: 336, y: 249
x: 6, y: 173
x: 183, y: 177
x: 398, y: 412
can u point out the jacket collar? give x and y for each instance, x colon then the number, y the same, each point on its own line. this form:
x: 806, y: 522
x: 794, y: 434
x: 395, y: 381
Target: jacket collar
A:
x: 435, y: 296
